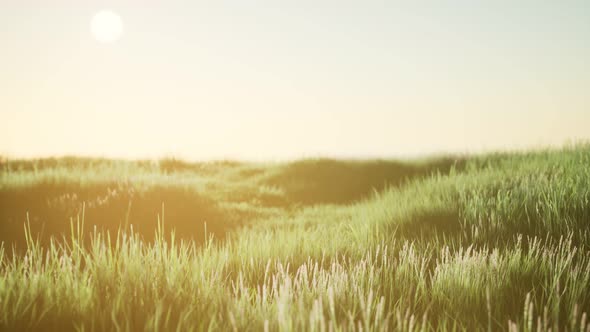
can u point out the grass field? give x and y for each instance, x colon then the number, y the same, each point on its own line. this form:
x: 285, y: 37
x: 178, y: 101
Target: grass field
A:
x: 490, y: 242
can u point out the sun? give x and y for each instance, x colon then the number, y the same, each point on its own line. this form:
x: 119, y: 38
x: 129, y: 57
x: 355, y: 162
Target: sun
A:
x: 106, y: 26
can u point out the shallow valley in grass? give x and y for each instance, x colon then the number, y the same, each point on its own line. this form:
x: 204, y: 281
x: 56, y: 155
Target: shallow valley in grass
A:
x: 489, y: 242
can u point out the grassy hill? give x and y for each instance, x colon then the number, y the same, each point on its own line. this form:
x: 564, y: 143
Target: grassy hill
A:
x: 491, y: 242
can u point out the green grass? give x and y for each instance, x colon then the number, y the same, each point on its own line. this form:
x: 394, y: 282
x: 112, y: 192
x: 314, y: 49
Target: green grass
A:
x: 490, y: 242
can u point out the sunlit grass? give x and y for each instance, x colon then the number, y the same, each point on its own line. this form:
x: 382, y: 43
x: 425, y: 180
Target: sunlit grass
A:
x: 492, y: 243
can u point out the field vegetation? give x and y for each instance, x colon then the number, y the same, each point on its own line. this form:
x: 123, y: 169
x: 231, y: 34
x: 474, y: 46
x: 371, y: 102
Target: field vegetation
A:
x: 488, y: 242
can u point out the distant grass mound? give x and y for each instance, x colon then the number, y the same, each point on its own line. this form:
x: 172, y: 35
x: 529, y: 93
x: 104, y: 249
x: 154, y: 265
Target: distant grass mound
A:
x: 323, y: 181
x: 111, y: 195
x: 492, y: 242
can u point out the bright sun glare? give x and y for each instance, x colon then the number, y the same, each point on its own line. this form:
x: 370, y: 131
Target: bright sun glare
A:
x: 106, y: 26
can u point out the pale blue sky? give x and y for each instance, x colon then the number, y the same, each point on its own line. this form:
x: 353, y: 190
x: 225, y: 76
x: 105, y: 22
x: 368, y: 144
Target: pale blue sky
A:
x: 289, y: 79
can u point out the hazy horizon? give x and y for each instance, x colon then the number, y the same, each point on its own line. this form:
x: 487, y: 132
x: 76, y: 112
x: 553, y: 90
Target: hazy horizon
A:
x: 424, y: 155
x: 276, y: 81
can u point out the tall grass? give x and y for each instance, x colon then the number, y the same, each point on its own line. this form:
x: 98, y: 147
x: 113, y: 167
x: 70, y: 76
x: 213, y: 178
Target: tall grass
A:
x: 499, y: 242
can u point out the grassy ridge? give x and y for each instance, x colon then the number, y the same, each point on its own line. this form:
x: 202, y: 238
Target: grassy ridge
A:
x: 491, y: 242
x: 226, y: 195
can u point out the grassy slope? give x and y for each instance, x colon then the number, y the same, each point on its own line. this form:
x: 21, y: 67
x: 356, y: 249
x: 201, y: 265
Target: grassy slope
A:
x: 489, y: 242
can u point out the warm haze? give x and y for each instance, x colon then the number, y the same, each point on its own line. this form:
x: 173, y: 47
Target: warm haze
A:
x: 272, y: 80
x: 294, y: 165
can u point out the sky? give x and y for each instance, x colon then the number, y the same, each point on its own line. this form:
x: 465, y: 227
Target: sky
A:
x: 267, y: 80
